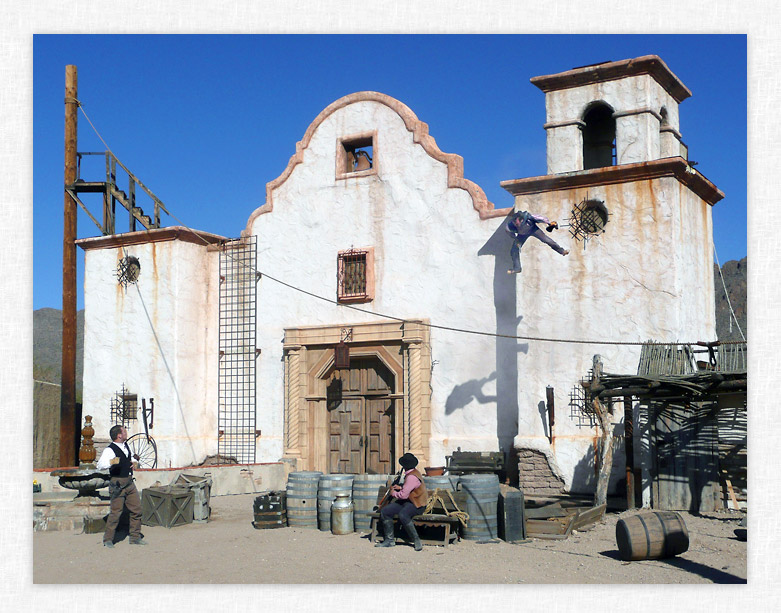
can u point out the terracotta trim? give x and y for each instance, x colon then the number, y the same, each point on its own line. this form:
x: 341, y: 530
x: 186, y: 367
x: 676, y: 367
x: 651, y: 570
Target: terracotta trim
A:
x: 667, y: 167
x: 651, y: 65
x: 150, y: 236
x: 419, y: 129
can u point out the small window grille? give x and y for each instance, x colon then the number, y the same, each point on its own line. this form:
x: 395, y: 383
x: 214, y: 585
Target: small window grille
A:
x: 354, y: 276
x: 128, y: 270
x: 588, y: 219
x: 124, y: 407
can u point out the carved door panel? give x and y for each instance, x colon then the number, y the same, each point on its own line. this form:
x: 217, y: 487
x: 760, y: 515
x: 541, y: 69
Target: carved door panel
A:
x: 379, y: 447
x: 346, y: 437
x: 361, y: 418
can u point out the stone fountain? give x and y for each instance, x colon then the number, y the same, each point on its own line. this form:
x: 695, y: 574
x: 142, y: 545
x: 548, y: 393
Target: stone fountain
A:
x: 86, y: 478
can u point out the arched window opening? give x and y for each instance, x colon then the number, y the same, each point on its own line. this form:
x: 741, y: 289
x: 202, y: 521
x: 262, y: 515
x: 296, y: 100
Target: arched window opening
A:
x: 599, y: 137
x: 663, y: 115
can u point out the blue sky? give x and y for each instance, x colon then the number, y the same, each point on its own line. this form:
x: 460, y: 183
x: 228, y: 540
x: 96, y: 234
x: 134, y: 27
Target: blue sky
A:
x: 206, y: 121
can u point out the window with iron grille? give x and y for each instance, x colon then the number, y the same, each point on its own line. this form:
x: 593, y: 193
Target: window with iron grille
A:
x: 355, y: 275
x: 124, y: 407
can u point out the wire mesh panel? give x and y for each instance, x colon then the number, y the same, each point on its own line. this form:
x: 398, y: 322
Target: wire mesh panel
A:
x: 237, y: 369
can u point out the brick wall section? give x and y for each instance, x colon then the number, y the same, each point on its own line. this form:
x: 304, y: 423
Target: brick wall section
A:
x: 535, y: 476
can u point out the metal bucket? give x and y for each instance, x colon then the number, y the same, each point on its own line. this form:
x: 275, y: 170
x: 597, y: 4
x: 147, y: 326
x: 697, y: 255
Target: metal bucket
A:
x: 650, y: 536
x: 482, y: 495
x: 270, y: 510
x: 329, y: 487
x: 365, y: 489
x: 342, y: 514
x: 301, y: 499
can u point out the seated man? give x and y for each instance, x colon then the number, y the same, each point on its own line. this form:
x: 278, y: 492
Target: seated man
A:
x: 406, y: 502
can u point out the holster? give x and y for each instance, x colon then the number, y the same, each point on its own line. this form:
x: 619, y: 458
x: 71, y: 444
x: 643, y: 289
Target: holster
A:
x: 114, y: 489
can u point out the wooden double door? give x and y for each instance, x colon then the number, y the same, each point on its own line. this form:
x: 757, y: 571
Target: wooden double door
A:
x: 361, y: 418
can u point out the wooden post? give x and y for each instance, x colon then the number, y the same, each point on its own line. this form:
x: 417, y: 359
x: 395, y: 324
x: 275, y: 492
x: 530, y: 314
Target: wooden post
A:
x: 551, y: 412
x: 629, y: 447
x: 606, y: 457
x: 68, y: 427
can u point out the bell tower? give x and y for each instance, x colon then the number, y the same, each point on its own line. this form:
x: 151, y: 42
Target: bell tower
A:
x: 612, y: 113
x: 636, y: 219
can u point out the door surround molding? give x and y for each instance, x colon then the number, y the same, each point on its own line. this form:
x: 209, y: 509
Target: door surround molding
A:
x: 403, y: 347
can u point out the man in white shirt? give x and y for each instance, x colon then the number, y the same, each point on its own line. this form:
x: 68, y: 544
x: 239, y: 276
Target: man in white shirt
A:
x: 117, y: 459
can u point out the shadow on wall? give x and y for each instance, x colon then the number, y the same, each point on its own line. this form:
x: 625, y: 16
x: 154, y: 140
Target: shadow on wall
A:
x: 584, y: 477
x: 542, y: 407
x: 507, y: 349
x: 463, y: 394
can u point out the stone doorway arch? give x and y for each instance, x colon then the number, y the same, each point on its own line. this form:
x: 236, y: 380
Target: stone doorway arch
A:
x: 403, y: 349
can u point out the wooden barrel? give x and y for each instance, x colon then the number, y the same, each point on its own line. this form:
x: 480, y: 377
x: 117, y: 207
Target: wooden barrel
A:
x: 482, y: 496
x: 302, y: 498
x: 329, y: 487
x: 442, y: 482
x: 270, y: 510
x: 650, y: 536
x: 365, y: 488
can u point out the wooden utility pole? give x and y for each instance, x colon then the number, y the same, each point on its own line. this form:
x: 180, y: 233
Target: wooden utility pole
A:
x: 68, y: 426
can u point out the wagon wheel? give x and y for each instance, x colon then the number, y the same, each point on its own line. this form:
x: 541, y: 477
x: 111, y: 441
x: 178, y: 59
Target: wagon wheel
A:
x: 146, y: 449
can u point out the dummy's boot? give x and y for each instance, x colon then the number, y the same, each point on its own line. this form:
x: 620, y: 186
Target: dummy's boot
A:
x: 413, y: 534
x: 390, y: 540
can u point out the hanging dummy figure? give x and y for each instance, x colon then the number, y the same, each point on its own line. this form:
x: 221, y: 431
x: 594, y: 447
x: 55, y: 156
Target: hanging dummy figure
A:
x: 521, y: 226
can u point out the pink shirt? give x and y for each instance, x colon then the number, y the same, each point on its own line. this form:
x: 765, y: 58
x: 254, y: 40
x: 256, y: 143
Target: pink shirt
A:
x: 410, y: 483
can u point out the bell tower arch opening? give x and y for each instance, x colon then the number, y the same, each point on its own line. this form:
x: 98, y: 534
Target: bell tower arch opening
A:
x: 599, y: 136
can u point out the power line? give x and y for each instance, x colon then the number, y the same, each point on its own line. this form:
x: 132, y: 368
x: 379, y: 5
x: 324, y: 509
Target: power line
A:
x: 400, y: 319
x: 724, y: 285
x: 47, y: 383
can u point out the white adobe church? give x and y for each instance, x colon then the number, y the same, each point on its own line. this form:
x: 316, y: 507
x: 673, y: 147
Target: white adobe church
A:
x: 401, y: 259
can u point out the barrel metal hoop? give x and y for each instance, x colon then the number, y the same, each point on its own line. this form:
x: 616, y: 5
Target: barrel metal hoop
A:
x: 665, y: 534
x: 647, y: 537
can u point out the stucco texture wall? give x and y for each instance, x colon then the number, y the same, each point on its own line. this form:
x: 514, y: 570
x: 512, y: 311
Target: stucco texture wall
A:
x: 157, y: 338
x: 433, y: 259
x: 637, y: 135
x: 646, y: 277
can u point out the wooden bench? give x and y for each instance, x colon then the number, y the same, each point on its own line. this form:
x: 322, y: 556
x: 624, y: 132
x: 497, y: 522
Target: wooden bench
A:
x: 449, y: 523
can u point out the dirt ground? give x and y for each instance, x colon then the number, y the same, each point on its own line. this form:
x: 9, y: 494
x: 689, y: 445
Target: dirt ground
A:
x: 227, y: 549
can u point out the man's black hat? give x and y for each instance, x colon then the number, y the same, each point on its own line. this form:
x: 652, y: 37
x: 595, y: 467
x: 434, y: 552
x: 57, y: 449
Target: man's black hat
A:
x: 408, y: 461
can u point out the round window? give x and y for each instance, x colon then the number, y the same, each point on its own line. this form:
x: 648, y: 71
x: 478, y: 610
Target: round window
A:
x: 128, y: 270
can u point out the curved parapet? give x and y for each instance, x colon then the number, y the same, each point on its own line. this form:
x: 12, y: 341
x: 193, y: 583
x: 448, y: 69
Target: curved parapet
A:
x: 419, y: 130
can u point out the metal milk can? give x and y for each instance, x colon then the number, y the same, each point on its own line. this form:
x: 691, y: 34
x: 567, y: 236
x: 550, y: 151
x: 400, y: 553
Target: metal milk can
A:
x: 342, y: 514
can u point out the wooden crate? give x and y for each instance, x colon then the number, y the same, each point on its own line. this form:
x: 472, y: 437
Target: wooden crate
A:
x: 167, y: 506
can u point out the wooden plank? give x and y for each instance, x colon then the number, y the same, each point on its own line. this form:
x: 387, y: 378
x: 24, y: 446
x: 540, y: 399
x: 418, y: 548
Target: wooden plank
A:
x: 730, y: 490
x: 550, y: 529
x: 586, y: 518
x: 548, y: 526
x: 549, y: 510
